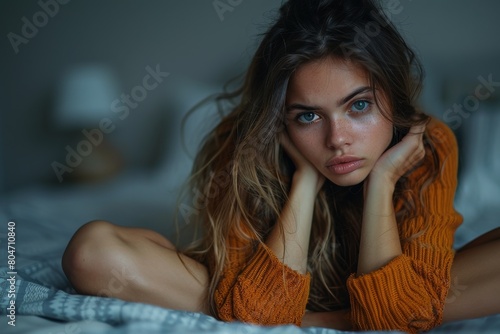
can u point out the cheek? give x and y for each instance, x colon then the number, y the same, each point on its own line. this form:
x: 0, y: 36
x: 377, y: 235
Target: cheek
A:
x: 297, y: 137
x: 382, y: 131
x: 388, y: 130
x: 306, y: 142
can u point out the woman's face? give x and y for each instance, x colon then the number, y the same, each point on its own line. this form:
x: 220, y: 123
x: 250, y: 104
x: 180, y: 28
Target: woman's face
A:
x: 333, y: 120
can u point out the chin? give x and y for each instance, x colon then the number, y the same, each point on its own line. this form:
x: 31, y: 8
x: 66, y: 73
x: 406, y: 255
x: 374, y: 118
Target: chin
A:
x: 347, y: 180
x: 342, y: 183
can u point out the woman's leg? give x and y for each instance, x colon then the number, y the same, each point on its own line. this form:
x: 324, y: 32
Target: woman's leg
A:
x: 135, y: 265
x: 484, y: 238
x: 475, y: 279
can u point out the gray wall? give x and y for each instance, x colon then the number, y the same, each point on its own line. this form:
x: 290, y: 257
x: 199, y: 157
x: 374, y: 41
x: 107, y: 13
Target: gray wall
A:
x: 187, y: 39
x: 456, y: 39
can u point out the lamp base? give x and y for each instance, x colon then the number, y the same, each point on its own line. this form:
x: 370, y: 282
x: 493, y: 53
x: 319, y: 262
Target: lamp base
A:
x: 104, y: 162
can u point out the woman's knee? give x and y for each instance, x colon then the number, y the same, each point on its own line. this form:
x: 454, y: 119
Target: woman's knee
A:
x: 88, y: 255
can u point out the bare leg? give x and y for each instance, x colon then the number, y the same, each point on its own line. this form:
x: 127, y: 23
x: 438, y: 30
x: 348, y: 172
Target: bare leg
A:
x: 135, y: 265
x: 484, y: 238
x: 475, y: 279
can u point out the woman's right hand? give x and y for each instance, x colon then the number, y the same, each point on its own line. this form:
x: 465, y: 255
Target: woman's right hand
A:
x: 304, y: 169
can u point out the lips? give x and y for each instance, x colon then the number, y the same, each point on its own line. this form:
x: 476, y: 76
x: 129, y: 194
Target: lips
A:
x: 344, y: 164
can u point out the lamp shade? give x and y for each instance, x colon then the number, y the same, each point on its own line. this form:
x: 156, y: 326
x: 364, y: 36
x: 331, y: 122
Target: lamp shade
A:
x: 84, y: 96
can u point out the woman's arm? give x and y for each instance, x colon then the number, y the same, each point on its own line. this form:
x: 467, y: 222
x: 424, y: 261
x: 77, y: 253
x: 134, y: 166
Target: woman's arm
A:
x: 379, y: 233
x: 289, y: 239
x: 379, y: 242
x: 268, y: 285
x: 408, y: 293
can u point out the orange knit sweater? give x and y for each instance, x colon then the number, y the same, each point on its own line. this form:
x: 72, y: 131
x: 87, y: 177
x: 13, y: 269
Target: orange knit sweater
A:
x: 407, y: 294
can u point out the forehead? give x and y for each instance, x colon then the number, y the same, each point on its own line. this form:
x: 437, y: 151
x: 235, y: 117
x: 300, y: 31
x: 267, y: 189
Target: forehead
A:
x: 326, y: 76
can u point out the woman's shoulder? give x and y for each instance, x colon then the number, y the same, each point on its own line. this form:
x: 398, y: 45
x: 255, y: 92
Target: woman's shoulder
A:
x: 441, y: 159
x: 443, y: 144
x: 442, y: 137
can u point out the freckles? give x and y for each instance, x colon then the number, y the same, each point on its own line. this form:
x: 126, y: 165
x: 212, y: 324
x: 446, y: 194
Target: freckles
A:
x: 366, y: 127
x: 378, y: 124
x: 375, y: 132
x: 298, y: 138
x: 306, y: 142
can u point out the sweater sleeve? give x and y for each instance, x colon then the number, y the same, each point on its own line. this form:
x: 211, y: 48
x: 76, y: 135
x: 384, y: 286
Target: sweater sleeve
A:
x: 409, y: 292
x: 256, y: 287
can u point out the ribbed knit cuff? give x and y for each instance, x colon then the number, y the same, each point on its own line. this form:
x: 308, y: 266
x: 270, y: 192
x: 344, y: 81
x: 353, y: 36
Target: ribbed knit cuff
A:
x: 271, y: 291
x: 403, y: 295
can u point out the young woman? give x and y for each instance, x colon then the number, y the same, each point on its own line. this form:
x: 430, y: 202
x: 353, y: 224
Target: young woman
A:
x: 329, y: 196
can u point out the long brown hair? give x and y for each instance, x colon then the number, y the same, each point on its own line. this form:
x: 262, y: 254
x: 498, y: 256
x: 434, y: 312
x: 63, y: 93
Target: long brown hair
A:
x: 246, y: 175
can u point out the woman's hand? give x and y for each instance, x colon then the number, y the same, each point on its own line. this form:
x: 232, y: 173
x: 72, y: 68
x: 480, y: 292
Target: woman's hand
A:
x: 403, y: 156
x: 303, y: 167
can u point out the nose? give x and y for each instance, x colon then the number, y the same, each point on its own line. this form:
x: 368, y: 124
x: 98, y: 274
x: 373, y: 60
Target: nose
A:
x: 338, y: 134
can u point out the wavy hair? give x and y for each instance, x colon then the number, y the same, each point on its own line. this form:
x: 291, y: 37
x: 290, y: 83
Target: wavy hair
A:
x: 246, y: 172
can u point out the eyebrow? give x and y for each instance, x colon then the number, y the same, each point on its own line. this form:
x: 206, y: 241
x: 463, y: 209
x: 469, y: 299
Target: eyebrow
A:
x: 341, y: 102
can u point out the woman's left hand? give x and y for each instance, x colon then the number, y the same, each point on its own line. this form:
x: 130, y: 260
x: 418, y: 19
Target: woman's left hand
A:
x: 403, y: 156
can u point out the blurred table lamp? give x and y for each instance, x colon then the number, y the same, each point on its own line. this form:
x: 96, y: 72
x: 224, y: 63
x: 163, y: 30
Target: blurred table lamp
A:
x: 83, y: 100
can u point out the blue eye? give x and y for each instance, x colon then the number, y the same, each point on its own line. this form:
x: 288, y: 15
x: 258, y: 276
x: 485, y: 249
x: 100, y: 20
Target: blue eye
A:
x: 360, y: 106
x: 307, y: 117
